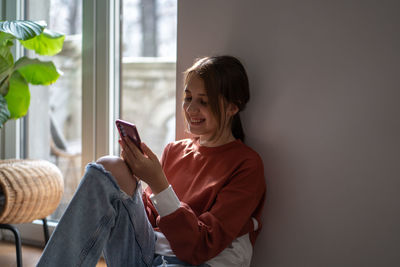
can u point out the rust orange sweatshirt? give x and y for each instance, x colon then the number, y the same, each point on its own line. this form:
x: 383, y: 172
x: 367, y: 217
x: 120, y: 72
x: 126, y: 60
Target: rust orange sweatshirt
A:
x: 220, y: 190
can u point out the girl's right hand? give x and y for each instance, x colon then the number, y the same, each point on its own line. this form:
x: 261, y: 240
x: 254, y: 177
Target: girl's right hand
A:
x: 145, y: 166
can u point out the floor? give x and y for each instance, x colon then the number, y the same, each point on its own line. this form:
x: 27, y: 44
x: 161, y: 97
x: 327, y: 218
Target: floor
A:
x: 30, y: 255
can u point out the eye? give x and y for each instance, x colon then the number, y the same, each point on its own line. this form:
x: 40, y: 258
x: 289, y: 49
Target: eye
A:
x: 187, y: 99
x: 204, y: 103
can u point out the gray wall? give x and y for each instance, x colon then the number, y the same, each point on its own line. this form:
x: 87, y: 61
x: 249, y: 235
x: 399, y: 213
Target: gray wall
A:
x: 324, y: 115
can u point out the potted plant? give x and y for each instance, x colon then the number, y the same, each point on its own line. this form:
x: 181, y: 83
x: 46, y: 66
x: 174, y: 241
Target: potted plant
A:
x: 15, y: 76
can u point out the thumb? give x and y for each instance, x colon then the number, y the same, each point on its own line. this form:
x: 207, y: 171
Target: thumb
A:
x: 148, y: 151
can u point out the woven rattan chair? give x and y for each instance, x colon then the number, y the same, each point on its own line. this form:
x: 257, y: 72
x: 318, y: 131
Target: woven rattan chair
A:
x: 30, y: 189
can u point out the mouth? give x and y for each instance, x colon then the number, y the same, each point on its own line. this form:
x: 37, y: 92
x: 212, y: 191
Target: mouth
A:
x: 196, y: 121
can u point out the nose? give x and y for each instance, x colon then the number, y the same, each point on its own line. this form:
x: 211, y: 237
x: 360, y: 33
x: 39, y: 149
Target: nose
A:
x: 192, y: 107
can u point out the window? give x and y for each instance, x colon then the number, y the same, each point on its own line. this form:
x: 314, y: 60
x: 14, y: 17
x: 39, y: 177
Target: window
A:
x: 115, y: 66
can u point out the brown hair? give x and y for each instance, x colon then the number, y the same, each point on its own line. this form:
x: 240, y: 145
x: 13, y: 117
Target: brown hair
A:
x: 223, y: 76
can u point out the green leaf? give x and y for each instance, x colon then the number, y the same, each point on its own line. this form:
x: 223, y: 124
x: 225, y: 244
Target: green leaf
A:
x: 18, y: 97
x: 6, y: 39
x: 6, y: 54
x: 6, y: 68
x: 4, y: 85
x: 48, y: 43
x: 4, y: 62
x: 4, y: 112
x: 37, y: 72
x: 22, y: 29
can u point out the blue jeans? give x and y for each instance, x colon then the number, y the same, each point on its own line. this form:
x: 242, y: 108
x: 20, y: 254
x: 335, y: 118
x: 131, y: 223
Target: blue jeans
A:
x: 102, y: 218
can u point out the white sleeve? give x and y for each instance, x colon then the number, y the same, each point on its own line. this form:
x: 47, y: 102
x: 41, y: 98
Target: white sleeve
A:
x: 165, y: 202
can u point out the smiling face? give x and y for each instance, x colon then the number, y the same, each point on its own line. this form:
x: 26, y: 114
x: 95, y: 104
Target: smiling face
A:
x: 199, y: 117
x: 201, y: 120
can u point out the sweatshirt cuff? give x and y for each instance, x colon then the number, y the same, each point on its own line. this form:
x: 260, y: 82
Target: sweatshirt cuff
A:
x: 165, y: 202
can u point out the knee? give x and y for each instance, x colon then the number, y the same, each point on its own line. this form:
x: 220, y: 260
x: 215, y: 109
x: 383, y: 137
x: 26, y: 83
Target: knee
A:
x: 112, y: 164
x: 120, y: 171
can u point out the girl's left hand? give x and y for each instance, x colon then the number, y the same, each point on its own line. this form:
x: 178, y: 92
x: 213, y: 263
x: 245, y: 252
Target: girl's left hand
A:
x: 145, y: 166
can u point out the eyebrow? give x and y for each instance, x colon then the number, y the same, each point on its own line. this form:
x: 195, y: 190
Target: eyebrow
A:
x: 188, y: 91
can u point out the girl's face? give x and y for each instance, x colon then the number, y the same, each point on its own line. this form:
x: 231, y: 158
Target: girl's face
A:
x: 200, y: 119
x: 198, y: 114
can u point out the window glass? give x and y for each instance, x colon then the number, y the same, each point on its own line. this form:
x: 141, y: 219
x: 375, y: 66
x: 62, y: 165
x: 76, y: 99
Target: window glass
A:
x: 149, y: 69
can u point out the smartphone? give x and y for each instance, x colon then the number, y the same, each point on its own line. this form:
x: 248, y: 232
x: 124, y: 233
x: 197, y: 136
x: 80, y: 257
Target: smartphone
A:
x: 128, y: 129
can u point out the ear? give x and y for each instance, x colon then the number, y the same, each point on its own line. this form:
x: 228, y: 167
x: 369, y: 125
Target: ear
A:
x: 232, y: 109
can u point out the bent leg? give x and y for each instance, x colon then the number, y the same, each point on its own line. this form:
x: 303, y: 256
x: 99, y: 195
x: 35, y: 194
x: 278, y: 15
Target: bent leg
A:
x: 120, y: 171
x: 100, y: 216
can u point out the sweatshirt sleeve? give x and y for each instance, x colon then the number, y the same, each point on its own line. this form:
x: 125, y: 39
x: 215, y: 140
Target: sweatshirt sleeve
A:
x: 196, y: 238
x: 165, y: 202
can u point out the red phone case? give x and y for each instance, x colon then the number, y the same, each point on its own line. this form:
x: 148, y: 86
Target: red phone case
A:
x: 128, y: 129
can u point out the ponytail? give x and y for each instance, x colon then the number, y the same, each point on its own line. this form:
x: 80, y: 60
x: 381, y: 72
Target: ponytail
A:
x: 237, y: 129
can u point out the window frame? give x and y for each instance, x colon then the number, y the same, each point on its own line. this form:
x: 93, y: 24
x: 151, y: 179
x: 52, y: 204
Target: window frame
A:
x: 100, y: 81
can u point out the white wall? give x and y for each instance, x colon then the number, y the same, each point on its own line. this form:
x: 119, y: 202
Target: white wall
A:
x: 324, y: 115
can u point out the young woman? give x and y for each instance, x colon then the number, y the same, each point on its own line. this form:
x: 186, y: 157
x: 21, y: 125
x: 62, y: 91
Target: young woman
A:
x: 203, y: 203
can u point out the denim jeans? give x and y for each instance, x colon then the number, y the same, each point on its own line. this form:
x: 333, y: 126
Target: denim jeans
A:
x: 102, y: 218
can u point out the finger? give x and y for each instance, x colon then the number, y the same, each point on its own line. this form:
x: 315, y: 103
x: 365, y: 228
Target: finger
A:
x: 132, y: 146
x: 129, y: 160
x: 124, y: 149
x: 127, y: 146
x: 126, y: 152
x: 124, y: 156
x: 123, y: 144
x: 148, y: 151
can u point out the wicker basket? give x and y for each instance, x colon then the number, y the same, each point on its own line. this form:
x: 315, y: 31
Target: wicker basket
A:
x: 32, y: 190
